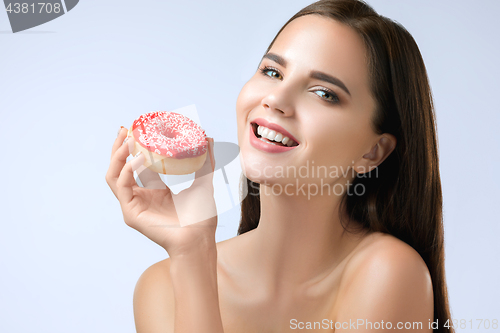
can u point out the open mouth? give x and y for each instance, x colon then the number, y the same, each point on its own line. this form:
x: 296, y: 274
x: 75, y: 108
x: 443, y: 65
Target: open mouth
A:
x: 272, y: 137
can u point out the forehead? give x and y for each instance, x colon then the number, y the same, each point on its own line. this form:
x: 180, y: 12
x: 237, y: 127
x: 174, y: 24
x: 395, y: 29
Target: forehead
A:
x: 314, y: 42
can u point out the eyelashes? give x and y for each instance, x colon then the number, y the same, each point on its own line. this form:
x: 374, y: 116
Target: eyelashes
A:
x: 325, y: 92
x: 266, y: 69
x: 328, y: 92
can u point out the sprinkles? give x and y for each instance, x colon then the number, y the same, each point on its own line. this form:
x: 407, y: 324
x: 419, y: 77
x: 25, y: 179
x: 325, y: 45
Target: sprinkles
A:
x: 170, y: 134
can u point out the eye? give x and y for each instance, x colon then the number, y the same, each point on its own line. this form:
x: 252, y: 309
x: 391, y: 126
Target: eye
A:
x: 325, y: 94
x: 266, y: 69
x: 328, y: 95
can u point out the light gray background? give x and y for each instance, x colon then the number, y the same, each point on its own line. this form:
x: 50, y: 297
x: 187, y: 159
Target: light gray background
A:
x: 68, y: 262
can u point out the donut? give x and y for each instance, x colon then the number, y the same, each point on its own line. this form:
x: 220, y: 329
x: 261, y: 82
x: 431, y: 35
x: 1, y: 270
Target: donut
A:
x: 171, y: 143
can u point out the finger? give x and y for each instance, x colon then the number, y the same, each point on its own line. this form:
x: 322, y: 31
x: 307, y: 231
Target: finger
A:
x: 125, y: 183
x: 122, y: 133
x: 206, y: 172
x: 150, y: 179
x: 117, y: 162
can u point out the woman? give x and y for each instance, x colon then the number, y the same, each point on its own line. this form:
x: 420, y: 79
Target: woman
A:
x: 341, y: 228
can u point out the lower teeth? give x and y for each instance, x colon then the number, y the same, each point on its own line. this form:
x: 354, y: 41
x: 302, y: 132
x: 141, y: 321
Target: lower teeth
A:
x: 270, y: 142
x: 266, y: 141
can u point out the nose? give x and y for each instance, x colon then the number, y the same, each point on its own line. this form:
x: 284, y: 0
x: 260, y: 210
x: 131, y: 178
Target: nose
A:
x: 279, y: 100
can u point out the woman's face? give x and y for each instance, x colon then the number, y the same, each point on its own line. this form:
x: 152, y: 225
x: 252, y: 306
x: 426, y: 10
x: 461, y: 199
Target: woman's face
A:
x: 328, y: 112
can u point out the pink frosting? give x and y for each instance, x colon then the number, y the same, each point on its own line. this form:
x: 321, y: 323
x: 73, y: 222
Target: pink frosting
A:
x: 170, y: 134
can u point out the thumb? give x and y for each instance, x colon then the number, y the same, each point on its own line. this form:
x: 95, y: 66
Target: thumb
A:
x: 205, y: 175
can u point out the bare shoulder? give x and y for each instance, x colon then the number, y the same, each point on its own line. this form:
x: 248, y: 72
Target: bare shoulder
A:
x: 386, y: 251
x: 154, y: 302
x: 386, y: 279
x: 154, y: 299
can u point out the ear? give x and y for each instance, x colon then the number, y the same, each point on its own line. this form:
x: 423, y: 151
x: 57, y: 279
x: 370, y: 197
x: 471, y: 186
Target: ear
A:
x: 377, y: 154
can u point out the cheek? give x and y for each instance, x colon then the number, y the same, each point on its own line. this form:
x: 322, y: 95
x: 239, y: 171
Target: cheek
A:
x: 241, y: 113
x: 339, y: 139
x: 249, y: 96
x: 248, y: 99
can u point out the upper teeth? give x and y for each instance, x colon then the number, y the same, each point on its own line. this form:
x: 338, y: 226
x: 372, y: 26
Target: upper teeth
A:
x: 274, y: 136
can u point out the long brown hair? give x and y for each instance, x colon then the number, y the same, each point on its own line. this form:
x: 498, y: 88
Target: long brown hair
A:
x: 405, y: 198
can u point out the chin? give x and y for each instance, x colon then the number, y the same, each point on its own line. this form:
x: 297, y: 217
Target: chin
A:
x: 257, y: 167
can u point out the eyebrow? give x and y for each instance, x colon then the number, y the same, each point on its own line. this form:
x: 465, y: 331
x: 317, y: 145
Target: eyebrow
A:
x: 313, y: 74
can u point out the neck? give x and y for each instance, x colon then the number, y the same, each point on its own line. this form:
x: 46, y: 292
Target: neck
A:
x: 299, y: 239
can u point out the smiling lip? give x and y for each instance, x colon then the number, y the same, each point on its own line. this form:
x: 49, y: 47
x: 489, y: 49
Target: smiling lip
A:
x: 267, y: 147
x: 277, y: 128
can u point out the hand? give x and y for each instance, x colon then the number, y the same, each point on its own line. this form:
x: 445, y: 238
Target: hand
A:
x: 179, y: 223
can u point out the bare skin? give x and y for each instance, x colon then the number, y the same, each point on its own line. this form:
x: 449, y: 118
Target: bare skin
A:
x: 345, y: 287
x: 298, y: 264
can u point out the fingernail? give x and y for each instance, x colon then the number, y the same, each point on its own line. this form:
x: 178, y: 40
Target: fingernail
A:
x: 119, y: 130
x: 125, y: 140
x: 136, y: 155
